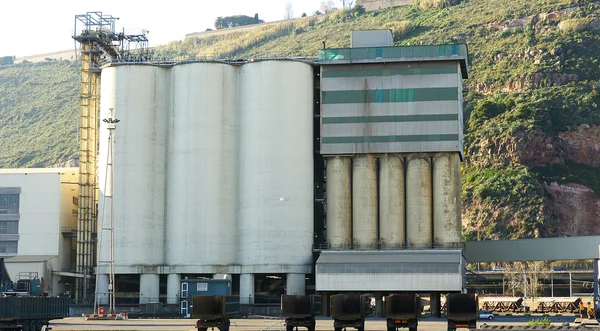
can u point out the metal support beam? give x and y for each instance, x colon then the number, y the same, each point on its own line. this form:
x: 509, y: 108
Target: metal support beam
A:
x: 87, y: 213
x: 596, y: 299
x: 570, y: 284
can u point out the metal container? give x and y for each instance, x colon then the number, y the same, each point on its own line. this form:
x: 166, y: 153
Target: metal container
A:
x: 276, y: 179
x: 403, y: 306
x: 203, y: 287
x: 419, y: 228
x: 300, y: 305
x: 139, y: 98
x: 349, y: 306
x: 202, y: 165
x: 42, y: 308
x: 339, y: 226
x: 215, y: 306
x: 447, y: 229
x: 391, y: 202
x: 364, y: 201
x: 462, y: 306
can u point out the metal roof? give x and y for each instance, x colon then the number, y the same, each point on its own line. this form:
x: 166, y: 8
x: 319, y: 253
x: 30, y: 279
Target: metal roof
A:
x: 451, y: 52
x: 546, y: 249
x: 390, y: 256
x: 36, y: 170
x: 29, y: 258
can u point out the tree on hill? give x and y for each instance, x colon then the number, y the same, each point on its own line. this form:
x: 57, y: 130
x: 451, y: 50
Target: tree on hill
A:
x: 6, y: 60
x: 236, y: 20
x: 289, y: 11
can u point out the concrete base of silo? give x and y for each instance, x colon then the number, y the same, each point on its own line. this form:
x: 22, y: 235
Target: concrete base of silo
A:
x: 149, y: 288
x: 173, y: 284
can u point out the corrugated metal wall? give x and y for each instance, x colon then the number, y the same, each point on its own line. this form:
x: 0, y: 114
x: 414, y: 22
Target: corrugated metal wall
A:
x: 412, y: 270
x: 391, y: 108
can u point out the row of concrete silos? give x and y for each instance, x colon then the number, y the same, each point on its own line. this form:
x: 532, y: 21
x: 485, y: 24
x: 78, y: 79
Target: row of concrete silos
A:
x: 213, y: 170
x: 393, y: 201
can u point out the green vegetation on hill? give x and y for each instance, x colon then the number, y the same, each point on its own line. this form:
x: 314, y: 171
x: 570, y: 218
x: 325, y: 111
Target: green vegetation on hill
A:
x: 39, y: 114
x: 534, y: 74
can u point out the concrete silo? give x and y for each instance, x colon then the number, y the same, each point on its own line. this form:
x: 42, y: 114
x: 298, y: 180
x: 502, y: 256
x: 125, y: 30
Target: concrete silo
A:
x: 275, y: 232
x: 391, y: 202
x: 339, y: 206
x: 364, y: 202
x: 139, y: 96
x: 202, y: 160
x: 447, y: 229
x: 419, y: 226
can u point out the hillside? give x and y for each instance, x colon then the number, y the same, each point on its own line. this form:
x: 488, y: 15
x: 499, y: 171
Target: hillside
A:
x: 532, y: 163
x: 39, y: 114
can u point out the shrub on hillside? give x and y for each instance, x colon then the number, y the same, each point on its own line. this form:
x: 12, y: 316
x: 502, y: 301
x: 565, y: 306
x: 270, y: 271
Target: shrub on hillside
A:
x: 433, y: 4
x: 399, y: 29
x: 574, y: 24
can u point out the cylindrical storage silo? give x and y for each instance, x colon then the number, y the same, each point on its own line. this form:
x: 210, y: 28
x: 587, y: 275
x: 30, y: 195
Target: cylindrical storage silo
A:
x: 202, y: 165
x: 364, y: 201
x: 139, y: 96
x: 419, y: 227
x: 447, y: 227
x: 339, y: 212
x: 391, y: 202
x: 276, y: 180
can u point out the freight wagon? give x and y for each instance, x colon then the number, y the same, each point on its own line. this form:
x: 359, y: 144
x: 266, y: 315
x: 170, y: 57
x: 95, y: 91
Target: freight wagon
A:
x: 402, y: 311
x: 300, y: 311
x: 31, y: 313
x: 463, y: 310
x: 349, y: 311
x: 214, y: 311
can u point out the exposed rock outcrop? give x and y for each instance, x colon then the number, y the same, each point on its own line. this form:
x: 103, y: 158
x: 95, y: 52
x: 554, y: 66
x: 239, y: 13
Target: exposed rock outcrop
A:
x: 582, y: 145
x: 577, y: 209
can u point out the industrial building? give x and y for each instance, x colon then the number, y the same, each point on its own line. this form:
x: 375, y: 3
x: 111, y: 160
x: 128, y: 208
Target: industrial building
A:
x: 297, y: 174
x: 38, y: 214
x: 333, y: 174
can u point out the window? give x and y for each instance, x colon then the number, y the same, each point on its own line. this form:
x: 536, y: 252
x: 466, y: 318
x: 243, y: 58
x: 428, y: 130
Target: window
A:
x: 9, y: 203
x: 8, y: 247
x: 9, y: 227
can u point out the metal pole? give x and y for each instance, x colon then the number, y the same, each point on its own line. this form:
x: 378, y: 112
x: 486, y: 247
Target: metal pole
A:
x: 524, y: 286
x: 111, y: 281
x: 112, y: 125
x: 570, y: 284
x: 552, y: 284
x: 596, y: 299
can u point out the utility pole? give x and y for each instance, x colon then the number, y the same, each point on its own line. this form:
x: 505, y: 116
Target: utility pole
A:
x: 111, y: 122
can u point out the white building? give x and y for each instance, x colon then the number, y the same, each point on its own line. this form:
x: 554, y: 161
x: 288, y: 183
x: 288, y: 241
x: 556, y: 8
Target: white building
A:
x: 38, y: 217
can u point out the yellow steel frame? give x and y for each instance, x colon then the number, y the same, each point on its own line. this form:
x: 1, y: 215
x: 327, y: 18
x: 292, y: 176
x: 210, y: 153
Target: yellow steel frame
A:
x: 87, y: 209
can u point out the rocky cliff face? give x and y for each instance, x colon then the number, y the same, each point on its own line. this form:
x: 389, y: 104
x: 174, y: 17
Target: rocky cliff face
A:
x: 565, y: 208
x: 576, y: 207
x: 582, y: 145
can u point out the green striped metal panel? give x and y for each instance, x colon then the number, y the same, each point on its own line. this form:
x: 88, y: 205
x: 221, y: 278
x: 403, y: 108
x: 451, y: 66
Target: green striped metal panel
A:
x: 388, y: 72
x: 389, y: 139
x: 365, y: 53
x: 400, y: 106
x: 389, y: 119
x: 391, y: 95
x: 454, y: 52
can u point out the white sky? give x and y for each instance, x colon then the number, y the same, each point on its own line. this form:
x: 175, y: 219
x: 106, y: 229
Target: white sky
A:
x: 31, y: 27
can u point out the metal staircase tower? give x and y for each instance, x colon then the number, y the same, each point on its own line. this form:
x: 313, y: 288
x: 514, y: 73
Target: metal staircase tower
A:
x: 99, y: 44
